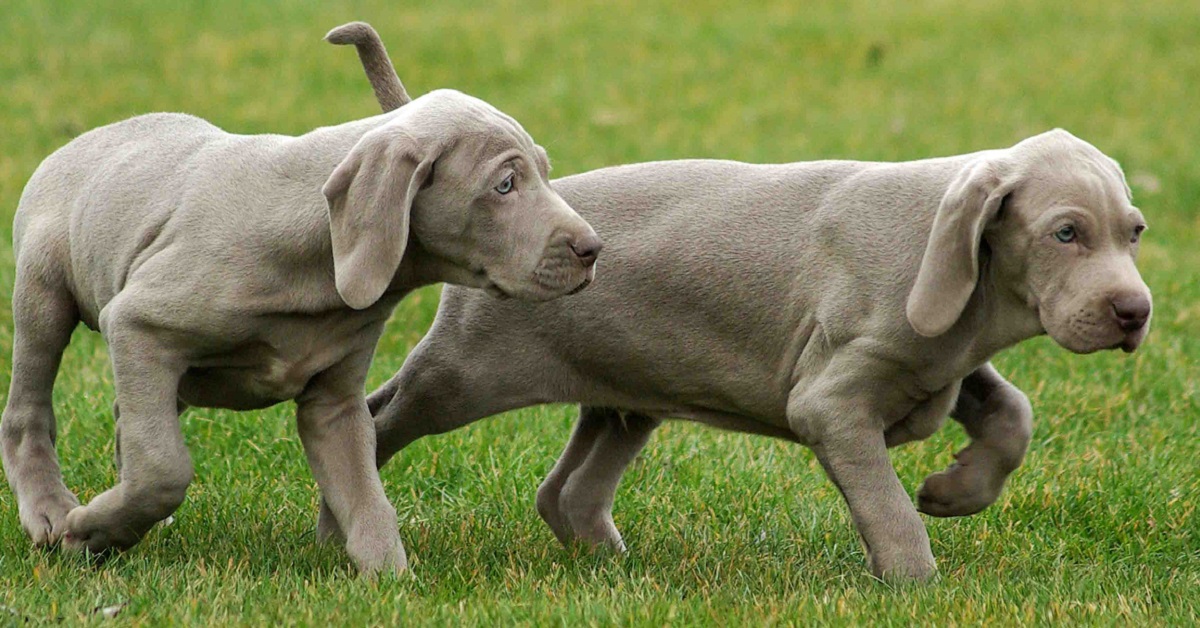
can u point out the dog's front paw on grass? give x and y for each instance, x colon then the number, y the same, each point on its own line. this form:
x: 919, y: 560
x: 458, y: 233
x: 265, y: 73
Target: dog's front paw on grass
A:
x: 376, y: 557
x: 900, y: 568
x: 43, y: 518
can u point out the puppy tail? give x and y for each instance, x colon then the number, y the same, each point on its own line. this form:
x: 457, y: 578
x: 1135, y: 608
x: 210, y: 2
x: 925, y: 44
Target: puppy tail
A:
x: 389, y: 91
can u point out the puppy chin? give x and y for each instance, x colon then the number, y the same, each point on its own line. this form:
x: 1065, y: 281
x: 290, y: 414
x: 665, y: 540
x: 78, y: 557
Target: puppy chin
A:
x: 538, y: 289
x: 1082, y: 346
x: 539, y: 293
x: 1128, y: 343
x: 580, y: 287
x: 527, y: 291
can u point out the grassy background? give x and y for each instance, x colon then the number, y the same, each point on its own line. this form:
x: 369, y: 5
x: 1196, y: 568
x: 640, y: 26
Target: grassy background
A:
x: 1099, y: 526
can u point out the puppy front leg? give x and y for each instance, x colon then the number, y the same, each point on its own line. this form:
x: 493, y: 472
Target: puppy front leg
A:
x: 435, y: 392
x: 591, y: 424
x: 339, y: 440
x: 155, y: 466
x: 998, y: 418
x: 836, y: 417
x: 892, y: 533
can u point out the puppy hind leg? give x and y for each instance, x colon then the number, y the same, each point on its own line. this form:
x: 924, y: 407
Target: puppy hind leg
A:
x: 44, y: 315
x: 591, y: 424
x: 586, y: 498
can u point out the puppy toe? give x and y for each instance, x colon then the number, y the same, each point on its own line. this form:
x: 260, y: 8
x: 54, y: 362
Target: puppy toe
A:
x: 39, y: 530
x: 43, y: 519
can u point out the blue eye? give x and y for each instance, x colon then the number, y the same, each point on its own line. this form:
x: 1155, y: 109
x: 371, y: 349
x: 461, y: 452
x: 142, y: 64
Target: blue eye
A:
x: 506, y: 185
x: 1065, y: 234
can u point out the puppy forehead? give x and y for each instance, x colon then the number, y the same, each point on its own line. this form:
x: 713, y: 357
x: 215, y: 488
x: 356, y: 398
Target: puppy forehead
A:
x: 478, y: 122
x: 1066, y: 171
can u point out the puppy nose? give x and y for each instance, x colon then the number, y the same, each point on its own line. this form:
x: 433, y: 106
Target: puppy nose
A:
x: 1131, y: 311
x: 587, y: 249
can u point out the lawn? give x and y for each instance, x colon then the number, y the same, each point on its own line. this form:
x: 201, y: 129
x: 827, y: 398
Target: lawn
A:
x: 1099, y: 526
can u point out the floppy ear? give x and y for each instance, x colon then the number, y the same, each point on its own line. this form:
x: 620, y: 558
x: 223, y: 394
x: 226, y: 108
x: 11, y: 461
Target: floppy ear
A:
x: 370, y: 196
x: 950, y: 267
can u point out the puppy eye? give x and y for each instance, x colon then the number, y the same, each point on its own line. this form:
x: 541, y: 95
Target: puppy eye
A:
x: 1137, y: 233
x: 1066, y: 234
x: 506, y: 185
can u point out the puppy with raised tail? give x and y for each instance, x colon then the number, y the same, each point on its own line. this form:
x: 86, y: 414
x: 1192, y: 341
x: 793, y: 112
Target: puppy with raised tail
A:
x: 238, y: 271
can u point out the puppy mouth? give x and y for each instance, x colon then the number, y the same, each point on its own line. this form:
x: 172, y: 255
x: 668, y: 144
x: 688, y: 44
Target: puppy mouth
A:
x: 561, y: 277
x: 1127, y: 344
x: 495, y: 290
x: 587, y: 281
x: 1131, y: 342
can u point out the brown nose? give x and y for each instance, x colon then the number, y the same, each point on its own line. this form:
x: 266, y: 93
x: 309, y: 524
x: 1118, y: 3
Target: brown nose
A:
x: 587, y: 249
x: 1131, y: 311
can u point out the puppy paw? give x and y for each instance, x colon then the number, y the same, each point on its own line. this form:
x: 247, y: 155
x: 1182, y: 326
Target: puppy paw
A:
x: 549, y: 509
x: 917, y: 567
x: 85, y: 532
x: 379, y: 557
x: 586, y: 520
x: 594, y: 528
x: 43, y: 517
x: 965, y: 488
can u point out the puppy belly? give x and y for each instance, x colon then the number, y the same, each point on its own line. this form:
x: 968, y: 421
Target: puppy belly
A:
x: 238, y: 388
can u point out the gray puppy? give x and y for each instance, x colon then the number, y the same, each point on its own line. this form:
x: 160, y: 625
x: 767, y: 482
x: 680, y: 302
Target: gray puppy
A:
x: 847, y: 306
x: 240, y: 271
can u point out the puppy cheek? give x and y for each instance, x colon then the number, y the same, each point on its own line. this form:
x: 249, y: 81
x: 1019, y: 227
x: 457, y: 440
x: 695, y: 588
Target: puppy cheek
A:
x: 1073, y: 330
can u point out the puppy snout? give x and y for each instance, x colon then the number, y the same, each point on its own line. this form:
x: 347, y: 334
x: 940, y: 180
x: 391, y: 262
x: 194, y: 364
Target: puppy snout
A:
x: 1132, y: 311
x: 587, y: 249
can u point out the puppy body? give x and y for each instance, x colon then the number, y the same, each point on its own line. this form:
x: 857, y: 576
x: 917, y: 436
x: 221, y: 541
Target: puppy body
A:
x: 844, y: 305
x: 786, y: 300
x: 240, y: 271
x: 220, y: 240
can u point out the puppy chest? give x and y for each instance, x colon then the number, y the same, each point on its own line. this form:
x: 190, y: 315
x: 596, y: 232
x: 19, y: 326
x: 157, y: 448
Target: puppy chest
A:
x: 924, y: 418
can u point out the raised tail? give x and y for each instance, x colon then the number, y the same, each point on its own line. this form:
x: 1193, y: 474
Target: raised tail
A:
x: 389, y: 91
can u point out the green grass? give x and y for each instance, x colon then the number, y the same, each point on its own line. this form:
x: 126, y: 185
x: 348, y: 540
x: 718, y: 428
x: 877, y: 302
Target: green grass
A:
x: 1099, y: 526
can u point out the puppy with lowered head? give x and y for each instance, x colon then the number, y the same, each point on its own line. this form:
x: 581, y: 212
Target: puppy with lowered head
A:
x: 847, y: 306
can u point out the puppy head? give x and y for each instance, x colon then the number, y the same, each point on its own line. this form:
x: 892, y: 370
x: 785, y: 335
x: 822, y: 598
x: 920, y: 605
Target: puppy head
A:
x: 469, y: 186
x: 1054, y: 217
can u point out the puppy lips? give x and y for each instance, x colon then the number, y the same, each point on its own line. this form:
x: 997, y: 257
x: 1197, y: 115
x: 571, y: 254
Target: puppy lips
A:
x: 583, y: 284
x: 1132, y: 341
x: 560, y: 275
x: 497, y: 291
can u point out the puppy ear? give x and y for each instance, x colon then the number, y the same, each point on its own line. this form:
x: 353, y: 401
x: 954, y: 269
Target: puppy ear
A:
x: 370, y: 196
x: 950, y: 268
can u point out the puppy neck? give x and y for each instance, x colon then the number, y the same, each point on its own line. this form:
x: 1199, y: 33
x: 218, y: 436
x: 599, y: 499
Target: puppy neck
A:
x: 998, y: 315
